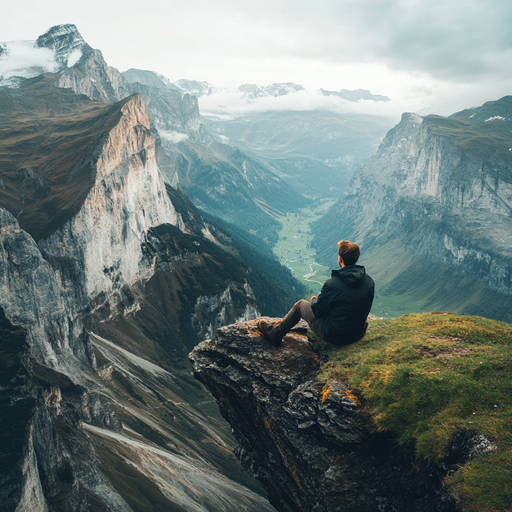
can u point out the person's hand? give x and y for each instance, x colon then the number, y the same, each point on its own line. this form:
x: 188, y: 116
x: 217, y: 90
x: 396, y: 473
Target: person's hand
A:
x: 312, y: 297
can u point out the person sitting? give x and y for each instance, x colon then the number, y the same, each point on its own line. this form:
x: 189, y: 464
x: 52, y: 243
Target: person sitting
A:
x: 338, y: 315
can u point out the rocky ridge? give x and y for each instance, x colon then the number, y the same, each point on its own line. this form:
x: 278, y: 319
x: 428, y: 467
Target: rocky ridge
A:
x: 218, y: 178
x: 316, y: 447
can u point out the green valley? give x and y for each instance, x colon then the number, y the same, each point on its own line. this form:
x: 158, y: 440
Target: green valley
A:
x: 294, y: 251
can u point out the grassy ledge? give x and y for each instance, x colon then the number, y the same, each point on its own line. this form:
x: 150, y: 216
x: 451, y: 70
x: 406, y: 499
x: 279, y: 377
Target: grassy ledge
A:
x: 430, y: 375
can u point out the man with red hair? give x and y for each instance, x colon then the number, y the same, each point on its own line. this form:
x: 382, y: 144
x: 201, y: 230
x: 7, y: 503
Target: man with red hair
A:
x: 338, y: 315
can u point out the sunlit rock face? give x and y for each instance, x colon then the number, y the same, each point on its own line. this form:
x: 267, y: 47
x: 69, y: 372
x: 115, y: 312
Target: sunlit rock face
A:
x: 104, y: 241
x: 77, y: 405
x: 314, y: 447
x: 96, y: 252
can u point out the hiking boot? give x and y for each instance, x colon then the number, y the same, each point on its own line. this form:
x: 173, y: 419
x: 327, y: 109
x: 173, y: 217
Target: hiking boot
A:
x: 267, y: 329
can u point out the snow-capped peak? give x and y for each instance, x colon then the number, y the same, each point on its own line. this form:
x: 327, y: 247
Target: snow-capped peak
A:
x: 57, y: 48
x: 195, y: 88
x: 66, y: 41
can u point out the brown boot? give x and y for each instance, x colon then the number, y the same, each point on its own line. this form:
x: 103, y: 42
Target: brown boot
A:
x: 267, y: 330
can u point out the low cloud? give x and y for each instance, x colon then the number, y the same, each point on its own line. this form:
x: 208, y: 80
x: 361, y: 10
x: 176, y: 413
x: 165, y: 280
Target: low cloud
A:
x: 20, y: 58
x: 232, y: 103
x: 174, y: 137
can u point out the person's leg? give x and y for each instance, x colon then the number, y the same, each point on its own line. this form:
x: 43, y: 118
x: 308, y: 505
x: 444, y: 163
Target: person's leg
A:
x: 315, y: 324
x: 301, y: 309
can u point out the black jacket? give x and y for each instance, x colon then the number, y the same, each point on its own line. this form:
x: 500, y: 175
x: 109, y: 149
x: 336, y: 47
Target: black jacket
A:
x: 344, y: 304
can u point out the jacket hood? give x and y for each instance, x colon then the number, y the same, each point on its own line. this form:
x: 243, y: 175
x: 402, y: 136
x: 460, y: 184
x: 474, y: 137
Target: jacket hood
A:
x: 351, y: 275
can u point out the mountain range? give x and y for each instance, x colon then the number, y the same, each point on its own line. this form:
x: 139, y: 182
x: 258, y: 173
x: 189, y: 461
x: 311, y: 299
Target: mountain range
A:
x: 432, y: 211
x: 109, y: 275
x: 219, y: 160
x: 128, y: 223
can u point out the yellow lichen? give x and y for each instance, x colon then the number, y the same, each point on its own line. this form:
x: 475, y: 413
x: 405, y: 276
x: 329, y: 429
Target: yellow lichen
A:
x: 325, y: 393
x: 350, y: 395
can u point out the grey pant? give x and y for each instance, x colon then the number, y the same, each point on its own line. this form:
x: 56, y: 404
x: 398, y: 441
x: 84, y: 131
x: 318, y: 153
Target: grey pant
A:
x: 301, y: 309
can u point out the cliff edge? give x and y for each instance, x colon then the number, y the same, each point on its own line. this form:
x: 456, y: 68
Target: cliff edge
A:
x: 313, y: 431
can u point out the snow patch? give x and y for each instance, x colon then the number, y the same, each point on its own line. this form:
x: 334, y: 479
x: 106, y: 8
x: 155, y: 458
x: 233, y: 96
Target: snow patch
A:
x: 74, y: 57
x: 494, y: 118
x: 174, y: 137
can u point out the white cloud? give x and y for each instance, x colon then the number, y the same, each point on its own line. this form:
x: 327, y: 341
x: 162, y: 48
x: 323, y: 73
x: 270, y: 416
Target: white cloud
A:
x: 22, y: 59
x: 442, y: 54
x: 228, y: 103
x: 174, y: 137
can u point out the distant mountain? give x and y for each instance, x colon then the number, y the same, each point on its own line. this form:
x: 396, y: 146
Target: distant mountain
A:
x: 315, y: 151
x: 60, y: 47
x: 356, y: 95
x: 195, y: 88
x: 66, y: 42
x: 149, y: 78
x: 432, y: 211
x: 497, y: 112
x: 282, y: 89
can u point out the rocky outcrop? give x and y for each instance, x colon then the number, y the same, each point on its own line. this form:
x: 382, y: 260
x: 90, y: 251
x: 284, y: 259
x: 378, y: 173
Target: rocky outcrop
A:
x: 315, y: 448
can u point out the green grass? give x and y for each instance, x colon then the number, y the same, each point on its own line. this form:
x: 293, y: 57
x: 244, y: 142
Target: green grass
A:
x: 428, y: 376
x: 293, y: 248
x: 486, y: 140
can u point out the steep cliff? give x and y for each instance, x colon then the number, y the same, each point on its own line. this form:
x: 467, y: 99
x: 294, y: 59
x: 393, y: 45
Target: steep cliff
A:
x: 385, y: 424
x: 218, y: 178
x: 128, y: 269
x: 437, y: 195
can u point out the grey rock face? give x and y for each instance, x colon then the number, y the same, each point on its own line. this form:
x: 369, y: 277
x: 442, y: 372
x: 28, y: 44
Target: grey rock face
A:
x: 195, y: 88
x: 64, y: 40
x: 65, y: 413
x: 423, y: 184
x: 314, y: 447
x: 148, y: 78
x: 435, y: 191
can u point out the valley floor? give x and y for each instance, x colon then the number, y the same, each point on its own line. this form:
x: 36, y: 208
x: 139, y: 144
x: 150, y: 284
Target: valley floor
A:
x: 294, y: 251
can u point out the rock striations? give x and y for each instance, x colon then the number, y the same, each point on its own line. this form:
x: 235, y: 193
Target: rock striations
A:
x: 314, y: 448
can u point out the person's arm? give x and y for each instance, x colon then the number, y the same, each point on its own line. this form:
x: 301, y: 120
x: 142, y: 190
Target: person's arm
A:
x: 322, y: 304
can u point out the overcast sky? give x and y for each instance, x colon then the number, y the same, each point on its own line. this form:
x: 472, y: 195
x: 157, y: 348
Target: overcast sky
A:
x: 436, y: 55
